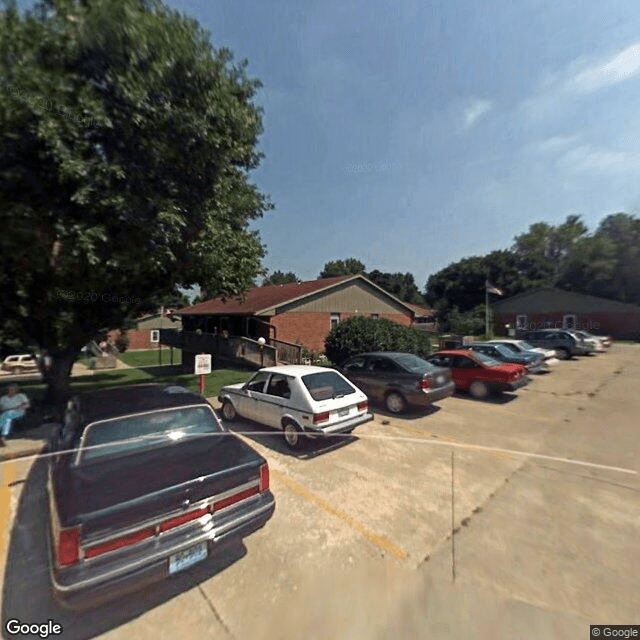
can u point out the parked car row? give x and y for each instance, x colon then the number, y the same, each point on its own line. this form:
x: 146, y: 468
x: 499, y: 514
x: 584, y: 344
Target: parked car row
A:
x: 145, y: 481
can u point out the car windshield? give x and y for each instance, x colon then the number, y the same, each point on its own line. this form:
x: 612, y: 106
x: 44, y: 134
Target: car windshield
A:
x: 132, y: 434
x: 327, y: 384
x: 414, y: 363
x: 506, y: 352
x: 523, y: 344
x: 488, y: 360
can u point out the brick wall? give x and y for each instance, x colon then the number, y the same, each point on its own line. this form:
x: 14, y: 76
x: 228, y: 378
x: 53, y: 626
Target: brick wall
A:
x: 311, y: 328
x: 624, y: 326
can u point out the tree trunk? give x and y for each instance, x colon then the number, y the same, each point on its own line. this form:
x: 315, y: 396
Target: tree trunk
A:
x: 56, y: 372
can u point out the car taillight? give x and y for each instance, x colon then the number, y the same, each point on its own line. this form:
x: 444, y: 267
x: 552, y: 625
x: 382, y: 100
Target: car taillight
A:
x: 320, y: 417
x: 363, y: 406
x: 425, y: 383
x: 182, y: 519
x: 264, y: 477
x: 118, y: 543
x: 227, y: 502
x: 68, y: 550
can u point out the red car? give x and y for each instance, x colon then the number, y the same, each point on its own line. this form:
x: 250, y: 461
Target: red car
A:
x: 479, y: 374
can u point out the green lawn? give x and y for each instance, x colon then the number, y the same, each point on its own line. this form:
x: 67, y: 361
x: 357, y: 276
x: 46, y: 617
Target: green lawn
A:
x: 150, y: 358
x: 214, y: 381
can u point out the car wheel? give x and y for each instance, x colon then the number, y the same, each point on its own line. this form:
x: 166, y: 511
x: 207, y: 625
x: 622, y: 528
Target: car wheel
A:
x: 395, y: 403
x: 229, y: 412
x: 293, y: 436
x: 479, y: 389
x: 563, y: 353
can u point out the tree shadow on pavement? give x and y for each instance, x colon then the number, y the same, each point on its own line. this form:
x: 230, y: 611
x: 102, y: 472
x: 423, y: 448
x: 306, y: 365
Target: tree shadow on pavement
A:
x: 27, y: 594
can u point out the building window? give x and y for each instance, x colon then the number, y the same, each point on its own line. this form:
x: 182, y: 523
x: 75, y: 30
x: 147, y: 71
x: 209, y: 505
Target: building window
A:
x: 335, y: 320
x: 155, y: 335
x: 569, y: 321
x: 375, y: 316
x: 522, y: 322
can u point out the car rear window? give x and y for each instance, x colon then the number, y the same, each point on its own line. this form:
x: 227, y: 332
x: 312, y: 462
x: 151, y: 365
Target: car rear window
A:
x: 485, y: 359
x: 327, y: 384
x: 415, y: 364
x: 137, y: 433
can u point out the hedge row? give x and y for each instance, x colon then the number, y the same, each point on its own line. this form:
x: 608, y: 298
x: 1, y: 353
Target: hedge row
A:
x: 360, y: 334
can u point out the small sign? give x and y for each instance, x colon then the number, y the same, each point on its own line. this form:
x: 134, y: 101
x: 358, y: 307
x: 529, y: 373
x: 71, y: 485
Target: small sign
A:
x: 203, y: 363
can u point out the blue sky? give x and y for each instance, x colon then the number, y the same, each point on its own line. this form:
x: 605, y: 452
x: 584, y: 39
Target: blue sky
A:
x: 411, y: 134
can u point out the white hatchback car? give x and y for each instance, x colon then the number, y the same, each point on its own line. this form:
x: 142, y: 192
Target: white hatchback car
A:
x: 301, y: 400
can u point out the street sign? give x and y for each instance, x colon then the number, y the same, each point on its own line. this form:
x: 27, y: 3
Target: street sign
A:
x: 203, y: 363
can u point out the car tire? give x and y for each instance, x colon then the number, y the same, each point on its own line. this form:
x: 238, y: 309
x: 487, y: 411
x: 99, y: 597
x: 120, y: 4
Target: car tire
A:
x: 563, y: 353
x: 229, y: 412
x: 293, y: 435
x: 479, y: 389
x: 395, y: 402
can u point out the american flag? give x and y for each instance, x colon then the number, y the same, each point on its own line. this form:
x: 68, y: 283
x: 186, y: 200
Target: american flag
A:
x: 491, y: 289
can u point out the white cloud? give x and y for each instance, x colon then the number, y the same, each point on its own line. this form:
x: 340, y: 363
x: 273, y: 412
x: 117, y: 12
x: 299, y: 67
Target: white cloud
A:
x: 582, y: 76
x: 474, y: 111
x: 587, y: 158
x: 555, y: 144
x: 623, y: 66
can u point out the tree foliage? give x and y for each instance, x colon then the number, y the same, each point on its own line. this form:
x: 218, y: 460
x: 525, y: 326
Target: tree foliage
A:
x: 279, y: 277
x: 348, y: 267
x: 363, y: 333
x: 401, y: 285
x: 126, y: 145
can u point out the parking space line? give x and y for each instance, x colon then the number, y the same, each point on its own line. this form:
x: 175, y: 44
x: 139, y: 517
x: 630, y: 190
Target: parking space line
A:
x: 378, y: 540
x: 8, y: 472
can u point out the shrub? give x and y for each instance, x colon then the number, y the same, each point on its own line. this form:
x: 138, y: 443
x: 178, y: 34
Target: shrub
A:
x: 122, y: 341
x: 361, y: 333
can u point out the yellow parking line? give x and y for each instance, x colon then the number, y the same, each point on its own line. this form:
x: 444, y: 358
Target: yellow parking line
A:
x: 7, y: 474
x: 303, y: 492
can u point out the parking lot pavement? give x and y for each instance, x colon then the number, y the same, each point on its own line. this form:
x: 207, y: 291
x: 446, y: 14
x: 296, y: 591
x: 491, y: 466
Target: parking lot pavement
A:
x: 543, y: 539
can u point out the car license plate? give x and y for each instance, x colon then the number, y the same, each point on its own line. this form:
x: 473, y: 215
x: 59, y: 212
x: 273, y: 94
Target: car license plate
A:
x: 188, y: 557
x: 343, y: 412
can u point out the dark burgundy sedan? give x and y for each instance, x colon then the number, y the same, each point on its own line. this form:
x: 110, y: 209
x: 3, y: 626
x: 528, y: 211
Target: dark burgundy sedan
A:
x: 143, y: 483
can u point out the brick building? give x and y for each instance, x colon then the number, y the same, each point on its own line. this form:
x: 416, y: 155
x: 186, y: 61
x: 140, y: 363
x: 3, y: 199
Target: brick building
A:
x: 301, y: 313
x: 555, y: 308
x: 145, y: 334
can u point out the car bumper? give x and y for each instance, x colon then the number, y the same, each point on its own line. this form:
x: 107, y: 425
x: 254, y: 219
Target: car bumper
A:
x: 93, y: 582
x: 339, y: 427
x: 516, y: 384
x: 426, y: 397
x: 541, y: 367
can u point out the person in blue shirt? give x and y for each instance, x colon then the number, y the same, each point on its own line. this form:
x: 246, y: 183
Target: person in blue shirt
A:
x: 12, y: 405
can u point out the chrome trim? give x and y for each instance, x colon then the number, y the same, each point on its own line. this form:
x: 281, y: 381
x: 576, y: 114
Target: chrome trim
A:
x: 142, y: 499
x: 157, y: 521
x: 81, y: 446
x: 161, y: 555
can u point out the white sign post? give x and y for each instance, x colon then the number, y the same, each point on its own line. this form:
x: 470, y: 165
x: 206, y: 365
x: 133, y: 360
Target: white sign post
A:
x: 203, y: 366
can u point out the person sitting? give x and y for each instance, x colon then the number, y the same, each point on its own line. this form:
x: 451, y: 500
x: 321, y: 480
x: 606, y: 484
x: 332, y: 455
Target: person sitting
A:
x: 12, y: 405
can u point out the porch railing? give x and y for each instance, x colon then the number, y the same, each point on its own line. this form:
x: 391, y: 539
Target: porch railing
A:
x: 287, y: 351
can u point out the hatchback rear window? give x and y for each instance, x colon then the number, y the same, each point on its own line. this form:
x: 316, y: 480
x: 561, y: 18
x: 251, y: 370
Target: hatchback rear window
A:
x: 137, y: 433
x: 327, y: 384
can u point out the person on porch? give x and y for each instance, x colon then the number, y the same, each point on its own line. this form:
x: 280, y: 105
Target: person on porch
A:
x: 12, y: 405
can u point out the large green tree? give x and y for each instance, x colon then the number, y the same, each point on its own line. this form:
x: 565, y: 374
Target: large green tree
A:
x: 126, y: 142
x: 348, y: 267
x: 401, y: 285
x: 279, y: 277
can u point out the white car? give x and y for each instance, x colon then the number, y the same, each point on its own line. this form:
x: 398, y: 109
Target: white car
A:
x: 520, y: 346
x: 596, y: 342
x: 301, y: 400
x: 21, y: 363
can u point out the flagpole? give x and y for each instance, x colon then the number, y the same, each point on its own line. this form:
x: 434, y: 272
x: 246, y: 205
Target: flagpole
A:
x: 486, y: 312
